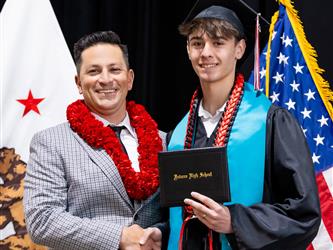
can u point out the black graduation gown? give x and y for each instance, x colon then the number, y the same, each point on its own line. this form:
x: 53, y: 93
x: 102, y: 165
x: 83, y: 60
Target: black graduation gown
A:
x: 289, y: 215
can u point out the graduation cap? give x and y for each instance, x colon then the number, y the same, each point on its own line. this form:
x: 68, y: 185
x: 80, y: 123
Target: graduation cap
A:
x: 242, y: 16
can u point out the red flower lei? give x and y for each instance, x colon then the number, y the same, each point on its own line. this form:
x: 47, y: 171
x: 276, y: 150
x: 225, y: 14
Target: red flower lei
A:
x: 139, y: 185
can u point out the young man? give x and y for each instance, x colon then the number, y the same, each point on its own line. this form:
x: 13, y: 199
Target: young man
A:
x: 274, y: 201
x: 85, y: 188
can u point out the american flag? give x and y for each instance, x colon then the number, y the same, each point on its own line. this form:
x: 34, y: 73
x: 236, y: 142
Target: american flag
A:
x: 292, y: 79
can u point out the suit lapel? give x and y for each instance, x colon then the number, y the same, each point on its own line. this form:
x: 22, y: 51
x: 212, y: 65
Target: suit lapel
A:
x: 105, y: 163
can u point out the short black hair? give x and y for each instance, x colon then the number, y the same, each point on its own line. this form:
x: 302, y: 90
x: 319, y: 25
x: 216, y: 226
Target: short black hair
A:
x: 99, y: 37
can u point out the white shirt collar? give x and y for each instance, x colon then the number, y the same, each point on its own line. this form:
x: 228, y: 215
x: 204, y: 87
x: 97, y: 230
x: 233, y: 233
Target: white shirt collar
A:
x: 206, y: 115
x: 126, y: 122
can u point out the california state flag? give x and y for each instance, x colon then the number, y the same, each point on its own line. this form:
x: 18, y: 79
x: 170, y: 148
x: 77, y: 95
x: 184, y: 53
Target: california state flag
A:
x: 36, y: 85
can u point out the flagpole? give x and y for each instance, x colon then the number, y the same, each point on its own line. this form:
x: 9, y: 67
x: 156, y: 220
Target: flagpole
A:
x: 252, y: 10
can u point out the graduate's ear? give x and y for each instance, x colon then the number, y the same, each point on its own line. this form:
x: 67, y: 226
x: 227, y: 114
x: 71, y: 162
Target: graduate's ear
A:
x: 188, y: 50
x: 240, y: 49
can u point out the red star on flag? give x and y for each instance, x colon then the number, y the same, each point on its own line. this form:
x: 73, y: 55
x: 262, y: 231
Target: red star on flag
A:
x: 30, y: 103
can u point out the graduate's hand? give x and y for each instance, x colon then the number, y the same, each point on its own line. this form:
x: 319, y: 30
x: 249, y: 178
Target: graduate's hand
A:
x: 209, y: 212
x: 151, y: 239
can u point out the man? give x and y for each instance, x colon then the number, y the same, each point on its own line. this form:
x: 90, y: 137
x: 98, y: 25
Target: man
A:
x: 274, y: 201
x: 85, y: 188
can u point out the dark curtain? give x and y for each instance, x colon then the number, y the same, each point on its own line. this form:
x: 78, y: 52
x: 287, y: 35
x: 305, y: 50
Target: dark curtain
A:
x: 164, y: 79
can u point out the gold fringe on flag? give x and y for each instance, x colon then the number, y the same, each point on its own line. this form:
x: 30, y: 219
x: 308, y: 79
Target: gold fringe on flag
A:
x: 309, y: 53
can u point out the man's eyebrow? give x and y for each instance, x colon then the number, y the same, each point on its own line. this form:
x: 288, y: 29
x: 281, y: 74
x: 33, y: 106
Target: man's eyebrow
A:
x: 92, y: 65
x: 98, y: 65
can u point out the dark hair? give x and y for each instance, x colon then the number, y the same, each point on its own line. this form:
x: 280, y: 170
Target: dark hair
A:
x: 213, y: 27
x: 99, y: 37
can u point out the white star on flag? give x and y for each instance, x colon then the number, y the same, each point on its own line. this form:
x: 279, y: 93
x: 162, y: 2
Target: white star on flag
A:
x: 315, y: 158
x: 319, y: 140
x: 310, y: 95
x: 287, y: 42
x: 283, y: 58
x: 306, y: 113
x: 323, y: 121
x: 290, y: 104
x: 262, y: 72
x: 278, y: 78
x: 298, y: 68
x: 294, y: 85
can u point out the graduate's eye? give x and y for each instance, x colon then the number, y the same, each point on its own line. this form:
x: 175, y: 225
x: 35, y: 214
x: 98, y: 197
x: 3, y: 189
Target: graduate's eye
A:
x: 218, y: 42
x: 196, y: 44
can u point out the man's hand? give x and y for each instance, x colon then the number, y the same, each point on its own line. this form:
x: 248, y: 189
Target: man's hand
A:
x: 151, y: 239
x: 212, y: 214
x: 130, y: 237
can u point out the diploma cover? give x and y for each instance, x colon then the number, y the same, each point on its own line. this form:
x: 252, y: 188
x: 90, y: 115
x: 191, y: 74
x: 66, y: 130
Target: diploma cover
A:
x: 204, y: 170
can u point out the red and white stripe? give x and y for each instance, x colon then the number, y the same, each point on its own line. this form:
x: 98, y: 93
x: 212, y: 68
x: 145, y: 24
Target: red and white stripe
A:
x: 324, y: 238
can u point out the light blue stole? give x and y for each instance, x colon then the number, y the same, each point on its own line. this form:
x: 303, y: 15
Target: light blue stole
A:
x: 246, y: 157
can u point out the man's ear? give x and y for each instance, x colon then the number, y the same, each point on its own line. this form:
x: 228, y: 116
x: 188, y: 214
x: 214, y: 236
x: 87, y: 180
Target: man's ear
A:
x: 78, y: 84
x: 130, y: 79
x: 240, y: 49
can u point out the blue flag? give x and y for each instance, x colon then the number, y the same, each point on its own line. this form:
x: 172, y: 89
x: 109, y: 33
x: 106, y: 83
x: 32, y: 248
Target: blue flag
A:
x: 291, y: 78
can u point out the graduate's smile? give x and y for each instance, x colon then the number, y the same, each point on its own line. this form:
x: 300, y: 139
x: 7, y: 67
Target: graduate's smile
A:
x: 208, y: 65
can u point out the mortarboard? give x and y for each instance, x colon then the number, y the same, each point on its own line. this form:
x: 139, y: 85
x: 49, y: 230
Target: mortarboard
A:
x: 222, y: 13
x: 241, y: 15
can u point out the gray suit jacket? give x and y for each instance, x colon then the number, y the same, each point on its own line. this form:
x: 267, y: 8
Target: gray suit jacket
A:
x: 74, y: 197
